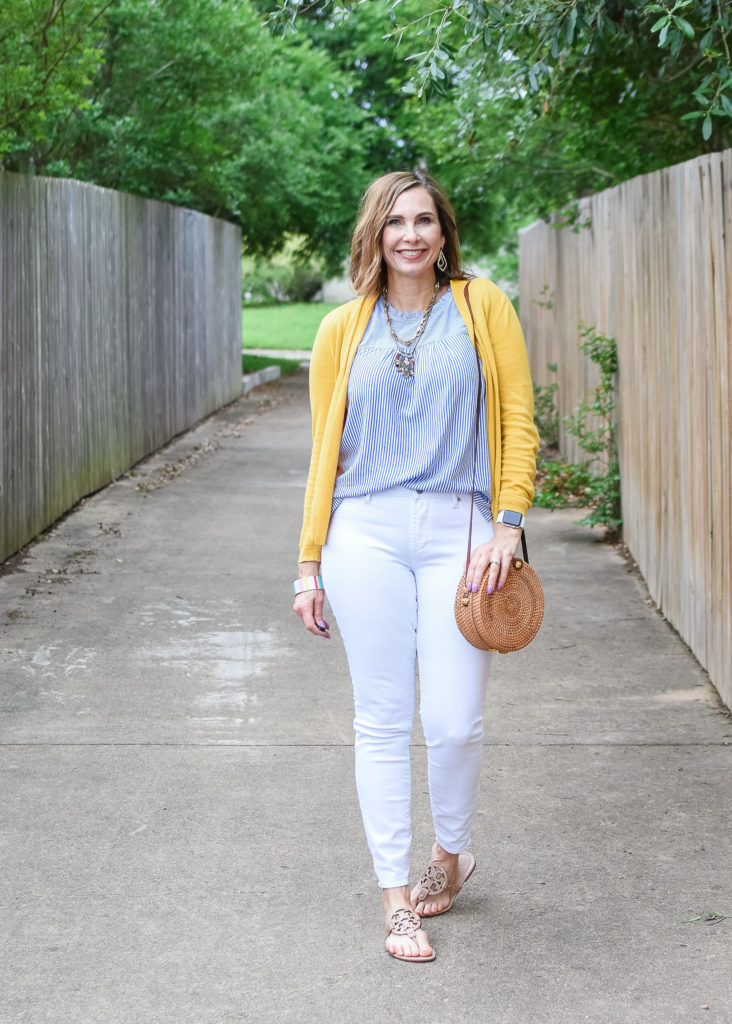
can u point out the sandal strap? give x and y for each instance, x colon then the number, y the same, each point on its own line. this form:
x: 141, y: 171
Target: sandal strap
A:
x: 432, y: 882
x: 404, y: 922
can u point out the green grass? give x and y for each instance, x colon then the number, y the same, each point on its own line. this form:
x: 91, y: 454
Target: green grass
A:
x: 289, y: 325
x: 250, y: 364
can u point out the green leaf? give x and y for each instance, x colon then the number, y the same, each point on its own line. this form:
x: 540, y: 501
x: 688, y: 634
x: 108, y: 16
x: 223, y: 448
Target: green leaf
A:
x: 570, y: 26
x: 707, y: 127
x: 609, y: 25
x: 683, y: 24
x: 660, y: 23
x: 727, y: 104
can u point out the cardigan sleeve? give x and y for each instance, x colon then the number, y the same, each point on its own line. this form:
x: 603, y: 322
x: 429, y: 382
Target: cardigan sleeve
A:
x: 519, y: 438
x: 323, y: 371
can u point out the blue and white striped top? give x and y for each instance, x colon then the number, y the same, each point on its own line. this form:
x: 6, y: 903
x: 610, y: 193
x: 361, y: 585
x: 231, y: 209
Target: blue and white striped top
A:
x: 416, y: 432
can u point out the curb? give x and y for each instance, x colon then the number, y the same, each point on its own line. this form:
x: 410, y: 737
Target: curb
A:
x: 252, y: 380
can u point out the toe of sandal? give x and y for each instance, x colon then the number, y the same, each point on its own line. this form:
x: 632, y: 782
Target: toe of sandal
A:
x: 432, y: 882
x: 406, y: 922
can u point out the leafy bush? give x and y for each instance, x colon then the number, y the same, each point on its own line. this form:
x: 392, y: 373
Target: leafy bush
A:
x: 595, y: 482
x: 562, y: 484
x: 546, y: 415
x: 287, y: 277
x: 270, y: 283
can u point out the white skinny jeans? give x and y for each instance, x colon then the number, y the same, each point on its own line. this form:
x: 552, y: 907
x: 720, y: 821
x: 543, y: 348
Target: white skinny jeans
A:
x: 390, y: 567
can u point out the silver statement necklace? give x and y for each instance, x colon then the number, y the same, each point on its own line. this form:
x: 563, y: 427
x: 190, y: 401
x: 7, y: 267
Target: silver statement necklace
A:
x: 404, y: 358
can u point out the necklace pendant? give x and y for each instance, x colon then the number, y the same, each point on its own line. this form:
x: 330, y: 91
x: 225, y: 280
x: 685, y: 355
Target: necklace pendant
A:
x: 404, y: 363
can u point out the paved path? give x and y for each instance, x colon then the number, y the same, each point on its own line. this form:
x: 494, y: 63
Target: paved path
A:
x: 180, y: 838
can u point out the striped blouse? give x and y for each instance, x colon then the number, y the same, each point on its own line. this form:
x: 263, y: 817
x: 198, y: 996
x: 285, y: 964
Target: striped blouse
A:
x: 417, y: 432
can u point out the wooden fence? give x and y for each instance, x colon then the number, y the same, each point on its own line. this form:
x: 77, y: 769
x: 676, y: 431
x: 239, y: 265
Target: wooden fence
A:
x: 120, y: 324
x: 652, y: 266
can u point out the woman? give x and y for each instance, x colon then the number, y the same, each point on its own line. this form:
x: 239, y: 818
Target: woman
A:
x: 394, y: 385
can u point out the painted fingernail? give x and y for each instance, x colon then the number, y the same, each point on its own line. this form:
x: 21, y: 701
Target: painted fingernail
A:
x: 490, y: 589
x: 474, y: 588
x: 322, y: 626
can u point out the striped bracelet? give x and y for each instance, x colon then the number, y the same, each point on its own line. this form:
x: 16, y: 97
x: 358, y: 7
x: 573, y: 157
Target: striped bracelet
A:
x: 307, y: 583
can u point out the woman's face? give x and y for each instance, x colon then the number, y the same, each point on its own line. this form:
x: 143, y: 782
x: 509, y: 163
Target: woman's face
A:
x: 412, y: 237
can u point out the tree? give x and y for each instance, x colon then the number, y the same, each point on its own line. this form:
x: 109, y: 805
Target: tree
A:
x: 198, y: 104
x: 377, y: 77
x: 518, y: 106
x: 49, y: 54
x: 530, y: 104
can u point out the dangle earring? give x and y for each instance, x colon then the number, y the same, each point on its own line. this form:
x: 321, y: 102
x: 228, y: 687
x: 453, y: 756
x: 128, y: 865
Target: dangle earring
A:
x: 442, y: 262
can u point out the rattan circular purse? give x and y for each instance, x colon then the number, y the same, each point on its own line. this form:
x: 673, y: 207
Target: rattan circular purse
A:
x: 508, y: 619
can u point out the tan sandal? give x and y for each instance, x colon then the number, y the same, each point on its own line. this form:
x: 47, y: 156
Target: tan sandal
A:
x: 406, y: 922
x: 434, y: 881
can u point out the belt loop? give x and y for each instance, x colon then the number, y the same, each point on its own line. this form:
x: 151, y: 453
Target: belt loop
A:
x: 368, y: 498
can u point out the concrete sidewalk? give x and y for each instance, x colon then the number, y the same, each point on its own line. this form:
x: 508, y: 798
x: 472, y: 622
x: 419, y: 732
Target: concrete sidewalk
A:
x: 180, y: 835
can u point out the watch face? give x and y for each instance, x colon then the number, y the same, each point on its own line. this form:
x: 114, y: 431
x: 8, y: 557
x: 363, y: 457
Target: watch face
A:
x: 512, y: 518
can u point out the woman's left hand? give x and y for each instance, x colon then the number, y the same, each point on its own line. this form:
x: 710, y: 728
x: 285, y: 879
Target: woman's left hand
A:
x: 498, y: 554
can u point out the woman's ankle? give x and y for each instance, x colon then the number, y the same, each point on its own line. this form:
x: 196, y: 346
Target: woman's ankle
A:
x: 396, y: 897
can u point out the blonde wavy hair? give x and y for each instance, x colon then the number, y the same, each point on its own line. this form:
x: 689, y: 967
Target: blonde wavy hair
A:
x: 368, y: 270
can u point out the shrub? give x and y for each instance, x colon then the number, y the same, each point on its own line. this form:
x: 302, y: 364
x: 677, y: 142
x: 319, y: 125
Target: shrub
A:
x: 595, y: 482
x: 546, y: 414
x: 287, y: 277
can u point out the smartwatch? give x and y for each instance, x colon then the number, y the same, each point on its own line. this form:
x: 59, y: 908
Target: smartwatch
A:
x: 509, y: 518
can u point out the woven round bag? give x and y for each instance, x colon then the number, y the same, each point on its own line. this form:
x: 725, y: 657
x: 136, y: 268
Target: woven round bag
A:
x: 506, y: 620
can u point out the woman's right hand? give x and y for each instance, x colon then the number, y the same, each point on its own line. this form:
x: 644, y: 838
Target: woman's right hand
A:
x: 309, y: 604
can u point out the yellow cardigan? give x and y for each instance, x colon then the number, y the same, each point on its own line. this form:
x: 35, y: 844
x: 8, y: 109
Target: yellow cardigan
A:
x: 512, y: 436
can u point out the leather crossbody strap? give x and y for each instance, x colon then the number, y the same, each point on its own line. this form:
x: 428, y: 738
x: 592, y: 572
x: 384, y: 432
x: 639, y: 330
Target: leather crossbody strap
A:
x: 524, y: 549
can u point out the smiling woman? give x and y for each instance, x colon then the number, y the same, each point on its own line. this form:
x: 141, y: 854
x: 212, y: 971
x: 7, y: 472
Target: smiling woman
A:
x: 398, y: 457
x: 397, y: 454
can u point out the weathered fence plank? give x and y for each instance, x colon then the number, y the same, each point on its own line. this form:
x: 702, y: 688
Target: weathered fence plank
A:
x: 653, y: 268
x: 120, y: 323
